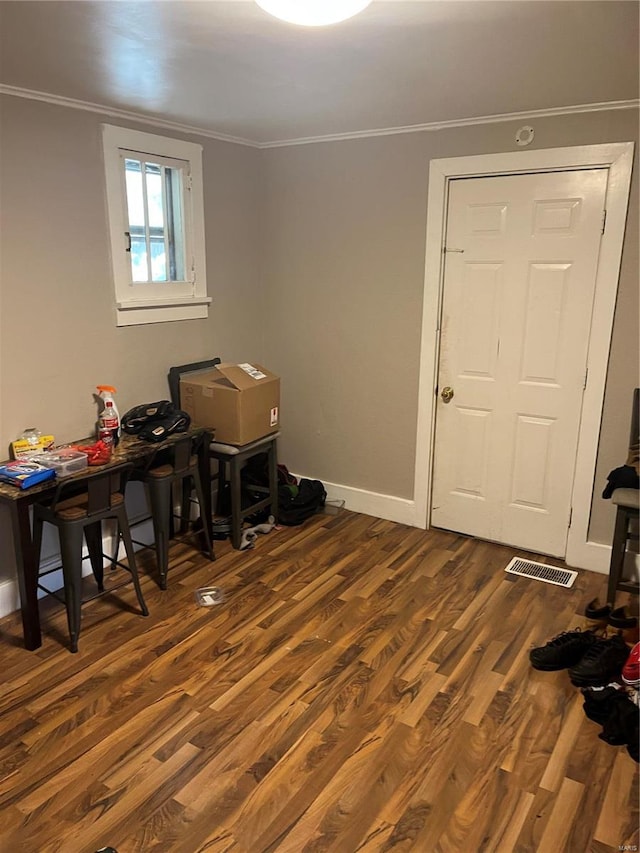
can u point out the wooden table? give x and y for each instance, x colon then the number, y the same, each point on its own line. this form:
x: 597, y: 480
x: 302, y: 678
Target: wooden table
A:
x: 19, y: 501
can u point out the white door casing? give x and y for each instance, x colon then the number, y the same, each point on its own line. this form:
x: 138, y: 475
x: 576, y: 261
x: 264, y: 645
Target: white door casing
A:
x: 520, y: 269
x: 617, y: 158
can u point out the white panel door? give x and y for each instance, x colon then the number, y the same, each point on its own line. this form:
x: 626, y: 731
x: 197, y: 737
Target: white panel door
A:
x: 520, y: 272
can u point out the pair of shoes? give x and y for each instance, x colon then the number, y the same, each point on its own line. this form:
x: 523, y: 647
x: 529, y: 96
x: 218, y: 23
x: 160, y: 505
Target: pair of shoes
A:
x: 602, y: 661
x: 620, y: 618
x: 564, y: 650
x: 631, y: 669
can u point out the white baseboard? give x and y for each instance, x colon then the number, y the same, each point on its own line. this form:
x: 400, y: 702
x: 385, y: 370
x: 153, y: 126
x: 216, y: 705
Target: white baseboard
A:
x: 9, y: 597
x: 592, y: 556
x: 596, y: 557
x: 388, y: 507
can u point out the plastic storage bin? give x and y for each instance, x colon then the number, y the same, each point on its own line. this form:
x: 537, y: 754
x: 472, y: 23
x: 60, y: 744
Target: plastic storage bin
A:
x: 64, y: 462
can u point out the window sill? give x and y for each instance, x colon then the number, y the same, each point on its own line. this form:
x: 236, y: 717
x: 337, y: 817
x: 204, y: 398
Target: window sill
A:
x: 141, y: 311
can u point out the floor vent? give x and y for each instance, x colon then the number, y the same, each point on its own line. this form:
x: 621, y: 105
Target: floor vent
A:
x: 541, y: 572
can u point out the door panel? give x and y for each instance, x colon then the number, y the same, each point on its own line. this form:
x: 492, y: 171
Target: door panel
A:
x: 519, y: 281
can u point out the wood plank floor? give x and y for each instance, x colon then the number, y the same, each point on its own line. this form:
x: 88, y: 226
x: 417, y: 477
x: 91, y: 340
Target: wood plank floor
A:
x: 364, y: 687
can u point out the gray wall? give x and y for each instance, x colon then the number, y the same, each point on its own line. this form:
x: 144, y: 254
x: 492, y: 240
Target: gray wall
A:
x: 315, y: 258
x: 344, y: 243
x: 58, y: 337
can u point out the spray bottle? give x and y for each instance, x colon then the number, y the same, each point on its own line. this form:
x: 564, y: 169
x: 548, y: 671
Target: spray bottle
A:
x: 109, y: 423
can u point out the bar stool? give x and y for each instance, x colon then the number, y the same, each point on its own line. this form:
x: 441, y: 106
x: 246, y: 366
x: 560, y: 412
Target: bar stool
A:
x: 232, y: 457
x: 228, y: 455
x: 627, y: 513
x: 78, y: 508
x: 627, y: 502
x: 175, y: 464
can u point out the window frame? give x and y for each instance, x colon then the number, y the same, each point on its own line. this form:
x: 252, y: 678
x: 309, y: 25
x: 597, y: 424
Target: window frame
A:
x: 155, y: 302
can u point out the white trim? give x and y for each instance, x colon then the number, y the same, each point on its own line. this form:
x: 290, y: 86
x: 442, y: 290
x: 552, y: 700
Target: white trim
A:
x: 388, y: 507
x: 9, y: 597
x: 591, y: 555
x: 125, y: 115
x: 140, y: 316
x: 596, y: 558
x: 130, y: 115
x: 462, y: 122
x: 618, y: 158
x: 131, y: 304
x: 168, y: 301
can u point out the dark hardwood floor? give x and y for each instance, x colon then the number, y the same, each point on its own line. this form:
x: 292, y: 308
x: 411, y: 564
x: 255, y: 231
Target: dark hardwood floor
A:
x: 364, y: 687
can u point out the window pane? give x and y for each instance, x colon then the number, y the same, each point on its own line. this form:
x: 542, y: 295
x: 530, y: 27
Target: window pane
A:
x: 155, y: 210
x: 139, y: 270
x: 175, y: 224
x: 135, y: 201
x: 154, y: 195
x: 158, y: 260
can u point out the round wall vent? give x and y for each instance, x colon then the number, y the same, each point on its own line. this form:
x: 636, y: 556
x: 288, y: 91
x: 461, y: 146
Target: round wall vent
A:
x: 525, y: 135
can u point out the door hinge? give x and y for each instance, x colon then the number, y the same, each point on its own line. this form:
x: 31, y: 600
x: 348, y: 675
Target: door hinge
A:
x: 570, y: 516
x: 604, y: 220
x: 189, y: 182
x: 586, y: 376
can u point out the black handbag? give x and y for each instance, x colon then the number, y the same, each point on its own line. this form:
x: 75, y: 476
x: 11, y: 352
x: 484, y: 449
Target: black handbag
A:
x: 138, y: 417
x: 155, y: 421
x: 160, y: 428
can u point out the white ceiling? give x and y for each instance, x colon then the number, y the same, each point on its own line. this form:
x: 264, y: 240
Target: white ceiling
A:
x: 231, y: 70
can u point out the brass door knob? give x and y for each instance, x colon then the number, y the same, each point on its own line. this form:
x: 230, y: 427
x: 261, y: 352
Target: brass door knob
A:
x: 447, y: 394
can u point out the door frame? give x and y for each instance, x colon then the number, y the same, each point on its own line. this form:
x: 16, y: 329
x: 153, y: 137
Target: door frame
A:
x: 618, y: 159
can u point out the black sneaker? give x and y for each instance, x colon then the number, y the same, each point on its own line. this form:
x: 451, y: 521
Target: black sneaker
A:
x: 562, y: 651
x: 602, y: 661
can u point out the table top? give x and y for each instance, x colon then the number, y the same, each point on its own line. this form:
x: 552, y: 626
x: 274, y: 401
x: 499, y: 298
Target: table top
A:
x: 129, y: 449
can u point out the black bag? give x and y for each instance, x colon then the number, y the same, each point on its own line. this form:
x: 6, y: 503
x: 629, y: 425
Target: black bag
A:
x: 137, y: 418
x: 160, y: 428
x: 298, y: 503
x: 155, y: 421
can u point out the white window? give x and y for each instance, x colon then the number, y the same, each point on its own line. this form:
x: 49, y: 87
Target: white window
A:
x: 156, y: 221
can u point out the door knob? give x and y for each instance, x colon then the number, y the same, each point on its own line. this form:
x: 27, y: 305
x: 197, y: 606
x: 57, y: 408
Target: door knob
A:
x: 447, y: 394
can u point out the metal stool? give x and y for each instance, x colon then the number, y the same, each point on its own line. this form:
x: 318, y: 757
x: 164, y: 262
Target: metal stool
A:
x: 628, y: 511
x: 627, y: 502
x: 175, y: 464
x: 78, y: 508
x: 235, y: 457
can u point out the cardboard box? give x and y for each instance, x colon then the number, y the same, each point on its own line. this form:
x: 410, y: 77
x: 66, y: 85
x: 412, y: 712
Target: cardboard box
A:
x: 241, y: 402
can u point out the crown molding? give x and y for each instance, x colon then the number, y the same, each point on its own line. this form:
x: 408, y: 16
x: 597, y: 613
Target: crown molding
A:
x: 604, y: 106
x: 127, y: 115
x: 130, y: 115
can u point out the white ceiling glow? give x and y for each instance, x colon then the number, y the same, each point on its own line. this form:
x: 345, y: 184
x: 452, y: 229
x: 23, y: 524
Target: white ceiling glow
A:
x: 313, y: 13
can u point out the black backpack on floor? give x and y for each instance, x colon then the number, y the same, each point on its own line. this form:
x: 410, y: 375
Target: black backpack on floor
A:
x: 298, y: 503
